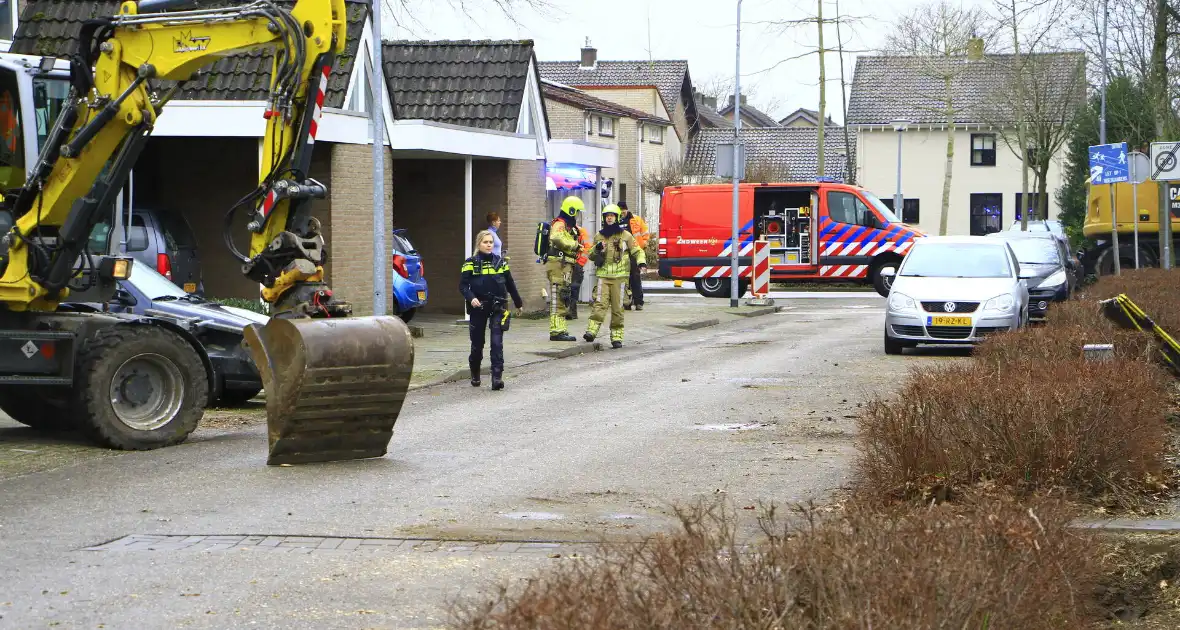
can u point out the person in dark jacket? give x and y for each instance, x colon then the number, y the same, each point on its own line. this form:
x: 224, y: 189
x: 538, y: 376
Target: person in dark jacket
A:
x: 486, y: 285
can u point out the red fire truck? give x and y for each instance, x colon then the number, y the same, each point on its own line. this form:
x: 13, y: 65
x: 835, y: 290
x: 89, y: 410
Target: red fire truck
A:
x: 817, y: 231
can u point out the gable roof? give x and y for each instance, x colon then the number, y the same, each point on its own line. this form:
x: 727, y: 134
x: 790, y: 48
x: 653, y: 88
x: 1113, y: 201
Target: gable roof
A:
x: 810, y: 115
x: 51, y: 28
x: 471, y: 83
x: 887, y: 88
x: 711, y: 119
x: 666, y: 76
x: 793, y: 147
x: 759, y: 118
x: 581, y: 100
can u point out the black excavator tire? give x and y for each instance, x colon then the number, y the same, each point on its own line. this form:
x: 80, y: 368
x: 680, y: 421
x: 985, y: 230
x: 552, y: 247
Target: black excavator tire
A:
x: 98, y: 363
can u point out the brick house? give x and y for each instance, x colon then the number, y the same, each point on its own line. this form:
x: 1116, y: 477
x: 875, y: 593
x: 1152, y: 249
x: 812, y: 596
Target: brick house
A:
x: 707, y: 112
x: 660, y: 88
x: 576, y: 114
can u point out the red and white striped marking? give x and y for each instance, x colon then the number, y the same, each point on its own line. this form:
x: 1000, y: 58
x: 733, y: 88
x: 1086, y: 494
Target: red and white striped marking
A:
x: 321, y: 92
x: 725, y: 270
x: 761, y: 285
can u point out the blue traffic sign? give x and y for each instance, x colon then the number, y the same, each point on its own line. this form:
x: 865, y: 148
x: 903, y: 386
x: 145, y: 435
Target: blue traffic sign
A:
x: 1109, y: 164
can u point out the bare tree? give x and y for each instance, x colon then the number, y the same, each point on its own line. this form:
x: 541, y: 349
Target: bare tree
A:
x: 935, y: 39
x: 405, y: 18
x: 720, y: 87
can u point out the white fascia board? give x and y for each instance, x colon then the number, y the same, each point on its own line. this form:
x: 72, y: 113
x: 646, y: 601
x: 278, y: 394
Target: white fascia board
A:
x: 236, y: 119
x: 583, y: 153
x: 442, y: 138
x: 243, y: 119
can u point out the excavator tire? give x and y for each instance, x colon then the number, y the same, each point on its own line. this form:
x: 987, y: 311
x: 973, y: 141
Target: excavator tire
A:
x: 40, y: 408
x: 334, y: 387
x: 139, y: 388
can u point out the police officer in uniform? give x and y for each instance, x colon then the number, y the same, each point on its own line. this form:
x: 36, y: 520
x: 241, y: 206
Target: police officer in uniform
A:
x: 486, y: 284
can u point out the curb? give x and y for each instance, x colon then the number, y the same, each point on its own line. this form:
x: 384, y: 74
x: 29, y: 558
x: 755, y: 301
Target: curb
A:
x: 704, y: 323
x: 573, y: 351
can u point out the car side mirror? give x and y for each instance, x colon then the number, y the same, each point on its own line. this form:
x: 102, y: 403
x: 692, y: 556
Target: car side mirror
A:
x: 888, y: 272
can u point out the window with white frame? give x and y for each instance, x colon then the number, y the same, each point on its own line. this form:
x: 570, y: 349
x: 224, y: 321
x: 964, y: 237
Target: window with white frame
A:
x: 655, y: 134
x: 606, y: 126
x: 589, y: 125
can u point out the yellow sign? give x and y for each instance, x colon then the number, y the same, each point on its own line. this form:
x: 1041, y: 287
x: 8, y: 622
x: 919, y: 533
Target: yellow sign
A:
x: 946, y: 320
x: 190, y: 287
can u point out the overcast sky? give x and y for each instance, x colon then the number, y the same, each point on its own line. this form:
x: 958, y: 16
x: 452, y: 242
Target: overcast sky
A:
x: 701, y: 31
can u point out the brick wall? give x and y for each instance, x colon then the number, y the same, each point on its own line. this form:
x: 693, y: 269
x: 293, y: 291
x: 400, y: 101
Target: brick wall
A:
x: 526, y: 207
x: 566, y: 121
x: 350, y: 227
x: 201, y: 178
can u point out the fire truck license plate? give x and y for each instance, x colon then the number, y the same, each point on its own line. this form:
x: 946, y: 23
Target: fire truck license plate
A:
x: 944, y: 320
x: 190, y: 287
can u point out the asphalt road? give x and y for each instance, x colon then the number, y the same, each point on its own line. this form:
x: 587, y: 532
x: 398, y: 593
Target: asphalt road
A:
x: 600, y: 445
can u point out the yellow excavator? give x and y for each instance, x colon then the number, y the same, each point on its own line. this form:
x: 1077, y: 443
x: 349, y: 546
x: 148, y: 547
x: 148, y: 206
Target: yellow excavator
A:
x: 334, y: 383
x: 1098, y: 256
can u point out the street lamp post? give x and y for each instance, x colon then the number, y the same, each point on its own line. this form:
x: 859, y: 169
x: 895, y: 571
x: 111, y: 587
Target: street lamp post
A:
x: 898, y: 200
x: 734, y: 279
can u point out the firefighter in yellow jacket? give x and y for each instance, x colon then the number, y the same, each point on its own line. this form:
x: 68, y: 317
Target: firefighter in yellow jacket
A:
x: 612, y: 252
x: 564, y: 250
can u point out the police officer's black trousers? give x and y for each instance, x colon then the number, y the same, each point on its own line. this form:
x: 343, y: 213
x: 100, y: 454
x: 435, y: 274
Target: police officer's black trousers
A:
x: 481, y: 320
x: 636, y: 283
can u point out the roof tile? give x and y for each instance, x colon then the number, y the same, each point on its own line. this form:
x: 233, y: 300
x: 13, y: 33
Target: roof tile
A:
x: 582, y: 100
x: 794, y: 147
x: 667, y: 76
x: 51, y: 27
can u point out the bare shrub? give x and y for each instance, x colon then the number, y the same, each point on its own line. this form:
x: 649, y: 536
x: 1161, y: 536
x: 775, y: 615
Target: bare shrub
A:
x: 989, y: 564
x: 1096, y: 430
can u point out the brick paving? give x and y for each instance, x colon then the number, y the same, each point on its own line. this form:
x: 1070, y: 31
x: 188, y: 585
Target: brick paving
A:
x: 339, y: 545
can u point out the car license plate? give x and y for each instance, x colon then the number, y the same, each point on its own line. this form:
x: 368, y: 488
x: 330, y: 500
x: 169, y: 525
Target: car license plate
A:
x: 945, y: 320
x: 421, y: 295
x: 190, y: 287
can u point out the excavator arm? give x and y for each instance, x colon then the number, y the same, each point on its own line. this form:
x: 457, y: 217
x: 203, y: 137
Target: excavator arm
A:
x: 334, y: 383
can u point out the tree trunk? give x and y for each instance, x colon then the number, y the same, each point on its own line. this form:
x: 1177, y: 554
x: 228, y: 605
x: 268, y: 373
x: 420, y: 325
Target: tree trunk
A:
x: 849, y: 167
x: 950, y: 158
x: 1158, y: 83
x: 819, y: 171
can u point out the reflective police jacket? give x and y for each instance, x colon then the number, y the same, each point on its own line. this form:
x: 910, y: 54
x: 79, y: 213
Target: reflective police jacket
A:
x: 486, y: 276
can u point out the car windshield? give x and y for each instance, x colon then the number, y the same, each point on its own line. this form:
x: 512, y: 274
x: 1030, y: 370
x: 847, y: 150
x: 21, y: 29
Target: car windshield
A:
x: 957, y: 260
x: 152, y: 284
x: 1035, y: 251
x: 403, y: 245
x: 881, y: 207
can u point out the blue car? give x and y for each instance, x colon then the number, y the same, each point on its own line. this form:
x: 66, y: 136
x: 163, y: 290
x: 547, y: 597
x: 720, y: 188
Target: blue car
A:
x: 218, y: 328
x: 409, y: 281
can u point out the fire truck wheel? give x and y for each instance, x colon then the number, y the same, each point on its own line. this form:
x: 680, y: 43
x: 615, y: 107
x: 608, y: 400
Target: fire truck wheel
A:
x: 719, y: 287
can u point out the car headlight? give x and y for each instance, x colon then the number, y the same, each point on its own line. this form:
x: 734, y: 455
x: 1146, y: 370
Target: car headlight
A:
x: 1000, y: 304
x: 1057, y: 279
x: 902, y: 302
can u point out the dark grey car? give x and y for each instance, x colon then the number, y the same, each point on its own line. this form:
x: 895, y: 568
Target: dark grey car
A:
x: 1054, y: 271
x: 162, y: 240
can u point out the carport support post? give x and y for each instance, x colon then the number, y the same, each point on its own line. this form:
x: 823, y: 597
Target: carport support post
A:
x: 468, y: 219
x: 377, y: 127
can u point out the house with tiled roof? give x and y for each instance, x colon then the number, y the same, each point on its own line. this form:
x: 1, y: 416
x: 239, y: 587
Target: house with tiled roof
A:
x: 466, y: 132
x: 579, y: 115
x: 903, y: 100
x: 707, y: 113
x: 661, y: 88
x: 751, y: 116
x: 786, y: 153
x: 804, y: 117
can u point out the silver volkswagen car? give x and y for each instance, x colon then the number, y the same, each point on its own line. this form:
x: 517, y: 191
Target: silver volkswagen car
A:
x: 955, y: 290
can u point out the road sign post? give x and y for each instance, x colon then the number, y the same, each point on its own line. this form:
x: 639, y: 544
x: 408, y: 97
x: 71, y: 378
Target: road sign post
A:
x: 1108, y: 166
x: 1165, y: 169
x: 1140, y: 168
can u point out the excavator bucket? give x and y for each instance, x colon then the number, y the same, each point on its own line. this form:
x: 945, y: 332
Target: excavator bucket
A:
x: 334, y: 387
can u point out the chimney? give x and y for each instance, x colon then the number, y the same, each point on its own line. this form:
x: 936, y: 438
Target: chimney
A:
x: 975, y: 48
x: 731, y: 100
x: 589, y: 55
x: 711, y: 102
x: 704, y: 100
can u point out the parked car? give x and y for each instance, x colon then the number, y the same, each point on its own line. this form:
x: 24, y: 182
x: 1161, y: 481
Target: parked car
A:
x: 1050, y: 227
x: 955, y: 290
x: 1056, y: 273
x: 218, y: 328
x: 409, y: 279
x: 162, y: 240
